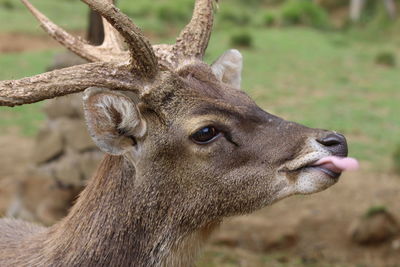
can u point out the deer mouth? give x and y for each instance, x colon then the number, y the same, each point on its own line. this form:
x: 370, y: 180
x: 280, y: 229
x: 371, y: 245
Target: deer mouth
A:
x: 333, y: 166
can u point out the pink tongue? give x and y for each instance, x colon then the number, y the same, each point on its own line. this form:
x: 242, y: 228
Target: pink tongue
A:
x: 338, y: 163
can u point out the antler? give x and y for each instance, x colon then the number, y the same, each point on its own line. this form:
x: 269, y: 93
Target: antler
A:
x: 68, y: 81
x: 141, y: 68
x: 194, y: 38
x: 138, y: 62
x: 76, y: 45
x: 112, y: 49
x: 192, y: 41
x: 142, y: 55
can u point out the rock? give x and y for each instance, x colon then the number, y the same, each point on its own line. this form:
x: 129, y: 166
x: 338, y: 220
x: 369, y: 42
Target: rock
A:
x: 41, y: 200
x: 64, y: 156
x: 55, y: 205
x: 8, y: 188
x: 76, y: 134
x: 49, y: 145
x: 255, y: 234
x: 67, y: 106
x: 88, y: 163
x: 68, y: 173
x: 31, y: 191
x: 374, y: 228
x: 45, y: 171
x: 396, y: 244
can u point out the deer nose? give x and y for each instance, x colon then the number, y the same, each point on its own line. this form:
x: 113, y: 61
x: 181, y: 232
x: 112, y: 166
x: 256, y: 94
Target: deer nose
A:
x: 335, y: 143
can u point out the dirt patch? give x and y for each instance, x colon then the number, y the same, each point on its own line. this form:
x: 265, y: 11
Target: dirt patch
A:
x: 322, y: 222
x: 20, y: 42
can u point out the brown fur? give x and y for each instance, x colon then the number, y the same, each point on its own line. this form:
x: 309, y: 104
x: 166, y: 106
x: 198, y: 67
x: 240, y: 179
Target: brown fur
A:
x: 108, y: 214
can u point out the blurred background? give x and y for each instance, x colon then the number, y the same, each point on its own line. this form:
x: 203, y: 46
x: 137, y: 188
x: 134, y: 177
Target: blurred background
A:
x: 330, y: 64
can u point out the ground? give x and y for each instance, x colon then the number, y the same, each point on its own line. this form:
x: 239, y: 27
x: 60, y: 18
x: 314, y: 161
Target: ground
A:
x: 325, y: 80
x: 24, y: 42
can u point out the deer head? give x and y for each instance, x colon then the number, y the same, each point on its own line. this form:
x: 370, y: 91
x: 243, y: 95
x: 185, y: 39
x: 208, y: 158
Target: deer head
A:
x: 195, y: 140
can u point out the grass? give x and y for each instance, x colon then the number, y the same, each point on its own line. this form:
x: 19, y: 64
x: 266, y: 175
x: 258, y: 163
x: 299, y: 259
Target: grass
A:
x: 18, y: 19
x: 372, y: 211
x: 151, y: 15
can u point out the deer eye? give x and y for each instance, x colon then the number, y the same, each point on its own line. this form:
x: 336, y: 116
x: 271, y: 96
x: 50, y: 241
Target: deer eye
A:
x: 205, y: 135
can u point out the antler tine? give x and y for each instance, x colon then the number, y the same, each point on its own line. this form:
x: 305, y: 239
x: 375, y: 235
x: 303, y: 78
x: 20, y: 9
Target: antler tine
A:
x: 112, y: 39
x: 194, y: 38
x: 68, y: 81
x: 142, y: 54
x: 111, y: 50
x: 74, y: 44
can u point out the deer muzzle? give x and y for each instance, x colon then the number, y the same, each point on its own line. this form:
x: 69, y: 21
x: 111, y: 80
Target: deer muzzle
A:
x: 326, y: 155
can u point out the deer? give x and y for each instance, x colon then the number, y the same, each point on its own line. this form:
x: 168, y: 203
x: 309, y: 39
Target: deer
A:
x: 185, y: 147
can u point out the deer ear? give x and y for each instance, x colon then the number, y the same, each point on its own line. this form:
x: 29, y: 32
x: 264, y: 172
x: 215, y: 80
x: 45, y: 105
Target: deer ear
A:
x: 113, y: 120
x: 228, y: 68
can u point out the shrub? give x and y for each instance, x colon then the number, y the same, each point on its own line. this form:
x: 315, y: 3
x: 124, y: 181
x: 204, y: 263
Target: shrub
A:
x: 235, y: 16
x: 333, y: 4
x: 242, y: 39
x: 386, y: 58
x: 304, y: 12
x: 374, y: 210
x: 7, y: 4
x: 141, y: 9
x: 174, y: 11
x: 258, y: 3
x: 396, y: 159
x: 371, y: 9
x: 269, y: 19
x: 375, y: 16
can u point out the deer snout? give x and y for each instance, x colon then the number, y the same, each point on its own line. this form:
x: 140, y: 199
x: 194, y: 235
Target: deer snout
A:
x: 335, y: 143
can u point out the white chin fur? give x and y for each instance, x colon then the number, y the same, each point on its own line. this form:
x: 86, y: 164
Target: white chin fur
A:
x: 312, y: 181
x: 307, y: 182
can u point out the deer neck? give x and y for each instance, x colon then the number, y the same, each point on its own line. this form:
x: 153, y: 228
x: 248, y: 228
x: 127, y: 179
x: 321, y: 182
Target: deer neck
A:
x: 116, y: 222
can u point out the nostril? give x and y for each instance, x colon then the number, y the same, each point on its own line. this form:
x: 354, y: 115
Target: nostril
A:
x: 331, y: 140
x: 335, y: 143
